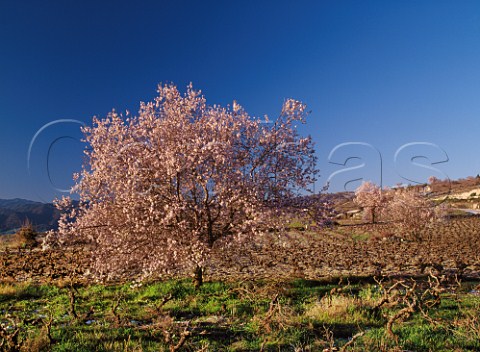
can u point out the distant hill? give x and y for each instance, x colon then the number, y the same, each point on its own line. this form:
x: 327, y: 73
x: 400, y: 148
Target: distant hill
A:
x: 14, y: 212
x: 44, y: 216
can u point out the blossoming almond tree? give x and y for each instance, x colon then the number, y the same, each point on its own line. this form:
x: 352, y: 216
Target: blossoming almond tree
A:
x: 413, y: 211
x: 161, y: 189
x: 371, y: 198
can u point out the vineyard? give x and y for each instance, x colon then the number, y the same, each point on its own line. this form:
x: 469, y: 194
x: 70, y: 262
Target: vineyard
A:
x: 352, y: 287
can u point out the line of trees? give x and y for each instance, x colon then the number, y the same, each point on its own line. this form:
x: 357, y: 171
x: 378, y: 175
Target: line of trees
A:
x: 160, y: 190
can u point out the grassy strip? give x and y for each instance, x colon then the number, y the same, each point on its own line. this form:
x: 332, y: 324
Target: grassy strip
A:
x: 246, y: 316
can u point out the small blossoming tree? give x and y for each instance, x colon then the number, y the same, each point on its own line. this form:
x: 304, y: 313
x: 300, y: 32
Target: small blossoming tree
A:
x: 163, y: 188
x: 370, y: 197
x: 413, y: 212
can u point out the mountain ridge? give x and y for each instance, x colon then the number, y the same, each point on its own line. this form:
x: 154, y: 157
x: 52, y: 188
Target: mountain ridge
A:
x: 16, y: 211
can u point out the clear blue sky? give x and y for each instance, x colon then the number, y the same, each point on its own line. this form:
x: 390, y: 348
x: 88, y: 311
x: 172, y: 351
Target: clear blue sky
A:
x: 378, y: 72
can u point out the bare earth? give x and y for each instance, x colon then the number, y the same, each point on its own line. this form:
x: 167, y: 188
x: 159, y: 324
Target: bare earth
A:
x: 451, y: 247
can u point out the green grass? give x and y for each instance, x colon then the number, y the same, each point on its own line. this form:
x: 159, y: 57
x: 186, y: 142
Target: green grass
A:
x: 361, y: 237
x: 299, y: 315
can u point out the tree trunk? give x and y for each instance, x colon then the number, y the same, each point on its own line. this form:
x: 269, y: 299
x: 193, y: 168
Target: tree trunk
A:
x: 198, y: 277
